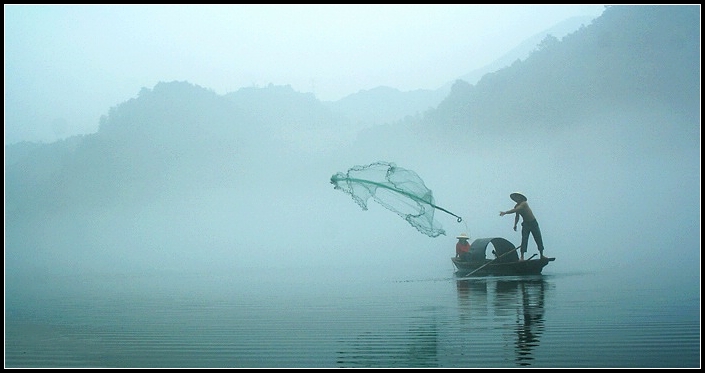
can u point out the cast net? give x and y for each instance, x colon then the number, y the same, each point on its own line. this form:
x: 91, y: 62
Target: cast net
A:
x: 399, y: 190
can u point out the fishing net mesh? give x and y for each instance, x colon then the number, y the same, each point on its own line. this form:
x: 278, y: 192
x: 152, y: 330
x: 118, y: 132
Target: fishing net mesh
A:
x: 397, y: 189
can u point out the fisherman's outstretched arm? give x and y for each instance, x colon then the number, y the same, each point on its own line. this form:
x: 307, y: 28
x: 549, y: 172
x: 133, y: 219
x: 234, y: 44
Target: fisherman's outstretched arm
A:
x: 515, y: 209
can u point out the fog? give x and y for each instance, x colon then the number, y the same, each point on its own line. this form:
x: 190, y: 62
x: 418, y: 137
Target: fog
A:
x: 156, y: 191
x: 65, y: 66
x: 616, y: 204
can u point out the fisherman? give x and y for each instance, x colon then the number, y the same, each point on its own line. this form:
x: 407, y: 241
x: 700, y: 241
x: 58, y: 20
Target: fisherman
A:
x: 462, y: 248
x: 528, y: 223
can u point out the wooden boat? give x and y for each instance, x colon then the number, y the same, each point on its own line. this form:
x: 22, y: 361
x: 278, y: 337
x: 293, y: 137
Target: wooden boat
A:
x: 505, y: 260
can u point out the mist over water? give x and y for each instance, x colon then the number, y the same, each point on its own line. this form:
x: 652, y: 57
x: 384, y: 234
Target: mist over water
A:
x: 604, y: 196
x: 196, y: 229
x: 602, y: 199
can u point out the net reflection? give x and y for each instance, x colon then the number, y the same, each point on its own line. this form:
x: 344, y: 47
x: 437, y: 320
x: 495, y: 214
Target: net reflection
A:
x: 517, y: 303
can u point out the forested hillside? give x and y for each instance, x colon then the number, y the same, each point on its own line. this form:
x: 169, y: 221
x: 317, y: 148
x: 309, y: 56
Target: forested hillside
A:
x: 630, y: 57
x: 180, y: 175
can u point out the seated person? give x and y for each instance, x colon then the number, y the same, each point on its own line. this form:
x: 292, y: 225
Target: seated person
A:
x: 462, y: 248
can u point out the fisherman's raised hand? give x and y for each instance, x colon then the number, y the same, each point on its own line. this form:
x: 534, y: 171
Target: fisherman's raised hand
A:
x: 501, y: 213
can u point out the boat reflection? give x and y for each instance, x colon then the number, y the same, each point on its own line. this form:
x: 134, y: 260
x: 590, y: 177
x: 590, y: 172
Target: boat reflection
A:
x: 517, y: 303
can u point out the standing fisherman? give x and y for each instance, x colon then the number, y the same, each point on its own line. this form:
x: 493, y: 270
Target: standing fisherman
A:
x: 528, y: 224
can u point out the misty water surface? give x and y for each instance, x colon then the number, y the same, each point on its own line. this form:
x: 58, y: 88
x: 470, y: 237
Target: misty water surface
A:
x: 338, y: 318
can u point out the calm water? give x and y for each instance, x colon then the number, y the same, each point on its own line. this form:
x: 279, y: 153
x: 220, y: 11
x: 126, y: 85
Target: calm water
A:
x: 334, y: 319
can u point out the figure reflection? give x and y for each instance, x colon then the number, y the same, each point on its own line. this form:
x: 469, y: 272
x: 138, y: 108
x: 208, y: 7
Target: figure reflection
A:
x: 530, y: 319
x: 519, y: 298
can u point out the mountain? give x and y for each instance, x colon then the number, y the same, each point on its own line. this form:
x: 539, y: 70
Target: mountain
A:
x: 180, y: 177
x: 523, y: 50
x: 630, y: 57
x: 386, y: 105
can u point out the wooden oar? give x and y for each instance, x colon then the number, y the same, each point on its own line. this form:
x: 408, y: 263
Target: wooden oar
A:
x: 491, y: 261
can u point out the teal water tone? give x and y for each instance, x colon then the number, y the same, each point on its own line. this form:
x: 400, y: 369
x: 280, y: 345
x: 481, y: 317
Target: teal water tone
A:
x: 331, y: 318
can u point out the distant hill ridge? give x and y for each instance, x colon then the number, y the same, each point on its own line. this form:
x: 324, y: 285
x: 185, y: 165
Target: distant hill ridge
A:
x: 631, y: 55
x: 180, y: 177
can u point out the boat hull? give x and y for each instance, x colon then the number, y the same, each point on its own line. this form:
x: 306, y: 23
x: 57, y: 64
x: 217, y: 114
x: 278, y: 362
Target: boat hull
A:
x: 514, y: 268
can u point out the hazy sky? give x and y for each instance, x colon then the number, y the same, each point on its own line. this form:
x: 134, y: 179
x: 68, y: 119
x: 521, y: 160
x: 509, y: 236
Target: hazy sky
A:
x: 65, y: 66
